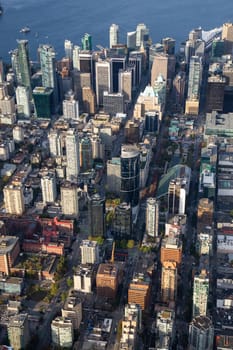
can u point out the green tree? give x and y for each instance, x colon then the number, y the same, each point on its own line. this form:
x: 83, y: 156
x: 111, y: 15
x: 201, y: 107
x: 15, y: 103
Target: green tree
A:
x: 69, y: 282
x: 130, y: 244
x: 54, y: 289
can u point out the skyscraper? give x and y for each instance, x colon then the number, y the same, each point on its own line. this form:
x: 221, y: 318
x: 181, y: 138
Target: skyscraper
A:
x: 55, y: 146
x: 122, y: 223
x: 70, y: 106
x: 201, y: 334
x: 13, y: 199
x: 169, y: 281
x: 125, y: 84
x: 152, y: 217
x: 23, y: 101
x: 113, y: 35
x: 142, y: 33
x: 72, y: 155
x: 48, y: 70
x: 68, y: 46
x: 96, y: 215
x: 117, y: 64
x: 131, y: 40
x: 86, y: 160
x: 87, y: 42
x: 130, y: 172
x: 200, y: 294
x: 43, y: 102
x: 69, y: 199
x: 49, y: 188
x: 195, y: 77
x: 227, y: 36
x: 103, y: 80
x: 24, y: 65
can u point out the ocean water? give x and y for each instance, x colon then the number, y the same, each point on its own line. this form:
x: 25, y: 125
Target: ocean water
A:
x: 53, y: 21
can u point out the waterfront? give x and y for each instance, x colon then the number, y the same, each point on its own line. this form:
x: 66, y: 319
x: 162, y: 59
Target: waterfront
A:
x: 53, y: 21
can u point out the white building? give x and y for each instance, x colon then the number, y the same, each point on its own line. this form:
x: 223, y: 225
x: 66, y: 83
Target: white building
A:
x: 70, y: 107
x: 152, y: 217
x: 83, y: 279
x: 69, y: 199
x: 18, y: 134
x: 49, y: 188
x: 141, y: 31
x: 68, y: 46
x: 14, y: 199
x: 23, y: 101
x: 113, y: 35
x: 72, y: 155
x: 165, y: 329
x: 55, y: 146
x: 62, y: 332
x: 89, y: 252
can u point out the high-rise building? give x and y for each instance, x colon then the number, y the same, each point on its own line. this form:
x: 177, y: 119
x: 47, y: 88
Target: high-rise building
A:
x: 96, y: 215
x: 49, y: 188
x: 177, y: 196
x: 114, y: 175
x: 97, y: 147
x: 131, y: 40
x: 107, y: 280
x: 18, y: 331
x: 72, y: 155
x: 113, y: 35
x: 55, y: 145
x: 151, y: 122
x: 178, y: 92
x: 43, y: 102
x: 68, y: 46
x: 62, y: 332
x: 69, y: 199
x: 130, y: 172
x: 122, y: 222
x: 89, y: 252
x: 195, y: 77
x: 227, y: 36
x: 201, y: 334
x: 23, y: 101
x: 72, y: 309
x: 9, y: 251
x: 217, y: 48
x: 200, y: 294
x: 152, y: 217
x: 18, y: 134
x: 89, y: 100
x: 75, y: 57
x: 142, y: 34
x: 135, y: 63
x: 70, y: 106
x: 87, y: 42
x: 171, y: 249
x: 169, y: 45
x: 85, y: 149
x: 24, y: 69
x: 165, y: 329
x: 113, y: 103
x: 48, y: 69
x: 215, y: 93
x: 13, y: 199
x: 103, y: 80
x: 132, y: 131
x: 83, y: 278
x: 169, y: 281
x: 117, y: 64
x: 126, y: 84
x: 139, y: 291
x: 164, y: 65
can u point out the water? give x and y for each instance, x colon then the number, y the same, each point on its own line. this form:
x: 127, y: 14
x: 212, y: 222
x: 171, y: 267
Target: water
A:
x: 53, y: 21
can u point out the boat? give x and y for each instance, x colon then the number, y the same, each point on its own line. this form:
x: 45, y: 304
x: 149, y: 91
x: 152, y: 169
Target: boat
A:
x: 25, y: 30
